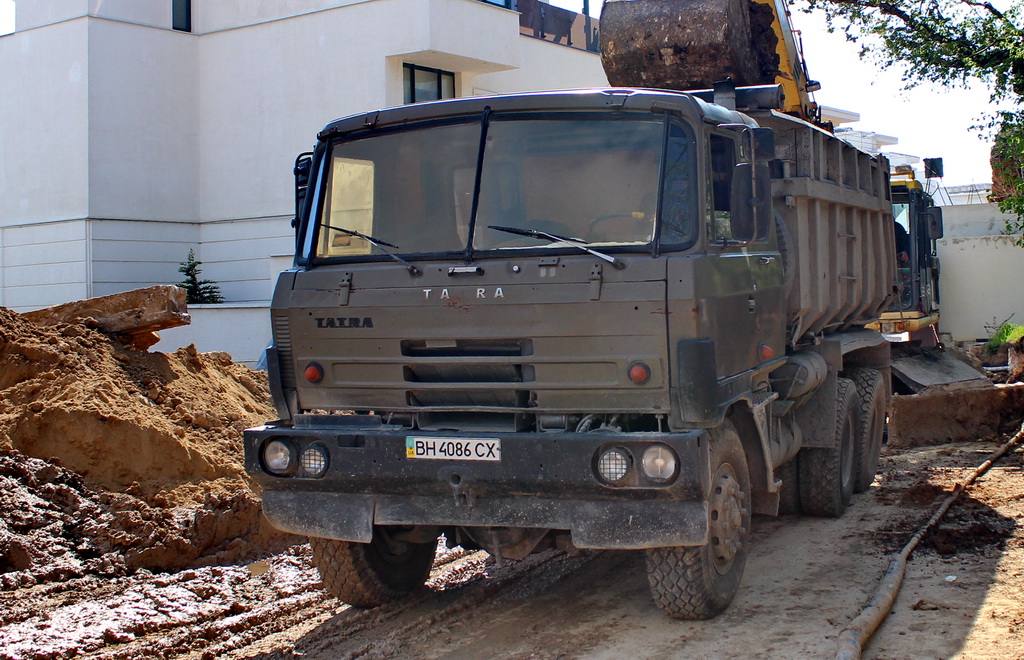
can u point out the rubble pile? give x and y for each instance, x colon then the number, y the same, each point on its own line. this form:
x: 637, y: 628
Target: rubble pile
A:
x: 113, y: 458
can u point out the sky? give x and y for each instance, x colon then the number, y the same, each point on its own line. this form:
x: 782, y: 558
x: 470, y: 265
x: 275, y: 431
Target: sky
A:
x: 928, y: 121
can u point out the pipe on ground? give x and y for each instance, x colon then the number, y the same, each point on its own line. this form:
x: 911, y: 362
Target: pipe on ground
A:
x: 855, y: 636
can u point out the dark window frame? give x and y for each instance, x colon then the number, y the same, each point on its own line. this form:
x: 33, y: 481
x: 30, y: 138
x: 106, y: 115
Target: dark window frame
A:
x: 409, y: 92
x: 181, y: 15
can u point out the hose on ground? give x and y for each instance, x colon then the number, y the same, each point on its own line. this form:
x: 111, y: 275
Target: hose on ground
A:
x: 853, y: 638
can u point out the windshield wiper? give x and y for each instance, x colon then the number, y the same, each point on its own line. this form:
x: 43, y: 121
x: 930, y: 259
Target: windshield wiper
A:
x: 379, y: 244
x: 555, y: 238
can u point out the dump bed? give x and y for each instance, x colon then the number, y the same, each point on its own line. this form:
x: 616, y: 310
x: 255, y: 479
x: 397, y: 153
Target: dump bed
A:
x: 833, y: 209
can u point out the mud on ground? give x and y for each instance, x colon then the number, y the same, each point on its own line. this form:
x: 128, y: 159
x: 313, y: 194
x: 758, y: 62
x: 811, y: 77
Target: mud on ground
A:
x: 805, y: 579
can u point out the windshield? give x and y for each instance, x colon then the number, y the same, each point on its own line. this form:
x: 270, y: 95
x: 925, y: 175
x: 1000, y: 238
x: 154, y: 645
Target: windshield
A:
x: 593, y: 180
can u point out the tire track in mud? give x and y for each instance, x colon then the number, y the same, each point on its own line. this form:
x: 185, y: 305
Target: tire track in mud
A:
x: 455, y: 591
x: 150, y: 615
x: 253, y: 611
x: 19, y: 605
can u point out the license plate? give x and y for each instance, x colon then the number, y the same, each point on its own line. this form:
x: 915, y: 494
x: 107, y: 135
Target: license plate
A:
x: 459, y: 449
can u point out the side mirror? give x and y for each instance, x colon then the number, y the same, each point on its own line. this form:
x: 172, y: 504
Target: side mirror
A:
x: 302, y: 170
x: 742, y: 203
x: 764, y: 144
x: 763, y: 198
x: 933, y: 221
x: 751, y: 202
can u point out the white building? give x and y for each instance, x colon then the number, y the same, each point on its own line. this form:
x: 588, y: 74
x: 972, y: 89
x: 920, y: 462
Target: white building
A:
x: 133, y: 130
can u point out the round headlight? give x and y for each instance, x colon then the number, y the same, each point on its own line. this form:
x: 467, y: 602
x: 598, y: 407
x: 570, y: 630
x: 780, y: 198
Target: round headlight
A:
x: 613, y: 464
x: 314, y: 461
x: 277, y: 456
x: 659, y: 463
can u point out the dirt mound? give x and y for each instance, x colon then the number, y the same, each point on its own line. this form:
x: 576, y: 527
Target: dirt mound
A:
x: 938, y: 417
x: 117, y: 415
x: 113, y: 458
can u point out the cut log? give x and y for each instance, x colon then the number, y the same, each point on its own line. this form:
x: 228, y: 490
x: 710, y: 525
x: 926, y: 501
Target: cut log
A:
x: 136, y: 312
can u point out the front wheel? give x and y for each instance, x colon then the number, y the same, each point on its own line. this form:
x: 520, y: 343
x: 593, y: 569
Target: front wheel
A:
x: 371, y: 574
x: 700, y: 582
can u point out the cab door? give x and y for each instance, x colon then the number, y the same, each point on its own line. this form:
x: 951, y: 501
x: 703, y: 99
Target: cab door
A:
x: 745, y: 283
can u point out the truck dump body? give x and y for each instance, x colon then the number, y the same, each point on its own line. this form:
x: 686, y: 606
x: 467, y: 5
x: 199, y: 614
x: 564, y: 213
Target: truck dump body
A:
x: 833, y: 200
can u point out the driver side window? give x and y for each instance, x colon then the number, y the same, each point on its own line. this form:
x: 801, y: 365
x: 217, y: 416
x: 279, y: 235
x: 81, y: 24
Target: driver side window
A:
x: 721, y: 164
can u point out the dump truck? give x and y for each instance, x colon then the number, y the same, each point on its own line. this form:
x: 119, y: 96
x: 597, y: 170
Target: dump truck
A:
x: 620, y: 319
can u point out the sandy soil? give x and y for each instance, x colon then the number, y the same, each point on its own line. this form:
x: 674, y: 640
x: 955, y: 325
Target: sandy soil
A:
x: 114, y: 459
x: 128, y: 530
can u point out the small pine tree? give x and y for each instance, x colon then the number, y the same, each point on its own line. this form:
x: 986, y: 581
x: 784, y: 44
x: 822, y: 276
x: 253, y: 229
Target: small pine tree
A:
x: 197, y: 291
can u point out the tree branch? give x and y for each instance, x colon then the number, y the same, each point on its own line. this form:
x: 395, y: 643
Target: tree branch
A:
x: 985, y: 5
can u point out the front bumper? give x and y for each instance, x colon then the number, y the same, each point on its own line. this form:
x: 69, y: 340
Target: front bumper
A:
x: 543, y: 480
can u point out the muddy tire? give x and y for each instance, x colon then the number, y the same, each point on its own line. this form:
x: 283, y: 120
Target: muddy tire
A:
x: 827, y: 474
x: 700, y: 582
x: 371, y: 574
x: 789, y: 492
x: 870, y: 403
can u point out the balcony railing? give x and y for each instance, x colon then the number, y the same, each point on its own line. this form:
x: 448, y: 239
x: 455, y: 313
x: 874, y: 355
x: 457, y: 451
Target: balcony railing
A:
x: 554, y: 24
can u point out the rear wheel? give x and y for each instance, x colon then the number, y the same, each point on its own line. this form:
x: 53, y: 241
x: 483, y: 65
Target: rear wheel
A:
x: 870, y: 404
x: 789, y: 492
x: 371, y: 574
x: 700, y: 582
x: 826, y: 473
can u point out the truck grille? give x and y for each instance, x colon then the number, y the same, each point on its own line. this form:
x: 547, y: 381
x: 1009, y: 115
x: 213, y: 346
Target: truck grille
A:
x: 467, y: 373
x: 467, y: 348
x: 475, y: 371
x: 469, y: 398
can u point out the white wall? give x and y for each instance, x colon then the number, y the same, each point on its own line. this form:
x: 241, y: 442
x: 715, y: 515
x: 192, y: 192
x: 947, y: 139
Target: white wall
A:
x: 237, y: 255
x: 973, y: 220
x: 230, y: 14
x: 44, y: 115
x: 34, y: 13
x: 544, y: 65
x: 43, y: 264
x: 980, y: 282
x: 241, y: 330
x: 129, y: 255
x: 143, y: 123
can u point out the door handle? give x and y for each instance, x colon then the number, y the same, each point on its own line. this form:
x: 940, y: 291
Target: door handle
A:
x: 765, y: 260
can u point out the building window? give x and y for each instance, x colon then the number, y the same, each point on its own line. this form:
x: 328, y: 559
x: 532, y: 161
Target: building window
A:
x: 507, y: 4
x: 181, y: 15
x: 422, y: 83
